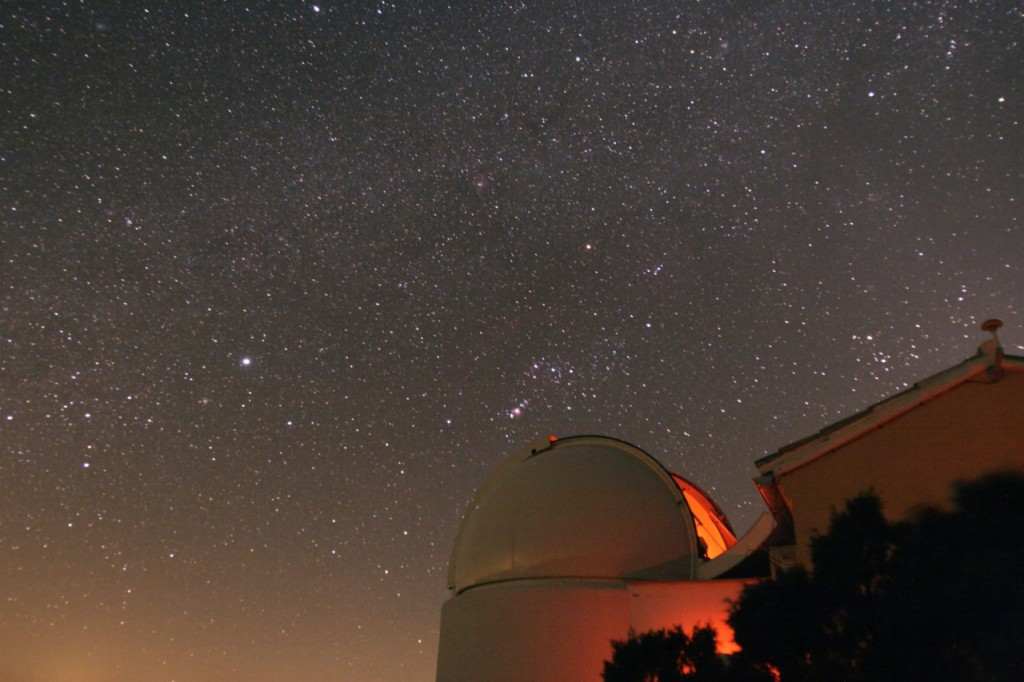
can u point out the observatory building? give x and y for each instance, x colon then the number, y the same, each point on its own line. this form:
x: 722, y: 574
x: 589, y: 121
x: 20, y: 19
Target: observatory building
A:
x: 574, y: 541
x: 570, y: 544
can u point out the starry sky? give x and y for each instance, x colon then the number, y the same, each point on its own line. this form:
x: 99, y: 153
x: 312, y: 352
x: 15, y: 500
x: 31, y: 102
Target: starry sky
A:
x: 281, y: 282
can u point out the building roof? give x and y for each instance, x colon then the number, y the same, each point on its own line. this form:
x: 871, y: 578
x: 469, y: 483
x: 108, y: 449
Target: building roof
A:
x: 988, y: 365
x: 579, y: 507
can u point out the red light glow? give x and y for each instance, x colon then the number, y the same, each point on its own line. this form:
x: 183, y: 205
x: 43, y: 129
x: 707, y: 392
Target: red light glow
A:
x: 712, y: 526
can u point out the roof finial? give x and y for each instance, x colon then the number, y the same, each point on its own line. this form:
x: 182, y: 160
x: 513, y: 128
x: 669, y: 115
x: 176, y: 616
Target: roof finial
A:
x: 993, y: 348
x: 992, y: 325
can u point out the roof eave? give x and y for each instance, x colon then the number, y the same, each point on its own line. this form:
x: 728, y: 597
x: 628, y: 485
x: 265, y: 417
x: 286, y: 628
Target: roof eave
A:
x: 836, y: 435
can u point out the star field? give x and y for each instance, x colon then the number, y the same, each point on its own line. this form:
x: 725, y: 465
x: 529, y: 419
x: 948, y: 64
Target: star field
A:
x: 280, y: 282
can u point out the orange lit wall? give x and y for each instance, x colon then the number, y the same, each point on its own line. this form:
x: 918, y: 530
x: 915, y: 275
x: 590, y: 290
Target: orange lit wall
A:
x: 552, y: 630
x: 657, y: 605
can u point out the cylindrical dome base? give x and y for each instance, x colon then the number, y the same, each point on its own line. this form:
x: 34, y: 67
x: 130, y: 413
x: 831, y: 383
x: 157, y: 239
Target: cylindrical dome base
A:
x: 553, y: 630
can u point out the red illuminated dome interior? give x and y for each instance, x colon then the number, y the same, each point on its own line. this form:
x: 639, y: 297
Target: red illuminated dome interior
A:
x: 712, y: 527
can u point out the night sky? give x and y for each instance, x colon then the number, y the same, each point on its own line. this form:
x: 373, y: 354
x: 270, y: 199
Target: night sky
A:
x: 281, y: 282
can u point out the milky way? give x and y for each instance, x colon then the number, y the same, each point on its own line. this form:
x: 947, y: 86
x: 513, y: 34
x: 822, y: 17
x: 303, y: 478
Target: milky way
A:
x: 280, y: 283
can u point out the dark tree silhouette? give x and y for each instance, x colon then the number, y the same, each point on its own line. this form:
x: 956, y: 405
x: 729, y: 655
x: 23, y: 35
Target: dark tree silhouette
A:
x: 816, y: 627
x: 665, y: 656
x: 775, y: 623
x: 940, y: 597
x: 672, y: 656
x: 955, y: 602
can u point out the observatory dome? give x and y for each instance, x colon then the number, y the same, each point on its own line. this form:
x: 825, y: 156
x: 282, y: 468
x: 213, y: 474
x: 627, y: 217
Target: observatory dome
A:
x: 583, y: 507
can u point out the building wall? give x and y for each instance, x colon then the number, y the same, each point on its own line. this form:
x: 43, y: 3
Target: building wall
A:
x: 912, y: 461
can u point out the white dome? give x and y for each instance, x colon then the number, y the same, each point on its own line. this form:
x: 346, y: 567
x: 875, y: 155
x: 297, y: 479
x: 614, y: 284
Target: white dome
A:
x: 586, y: 507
